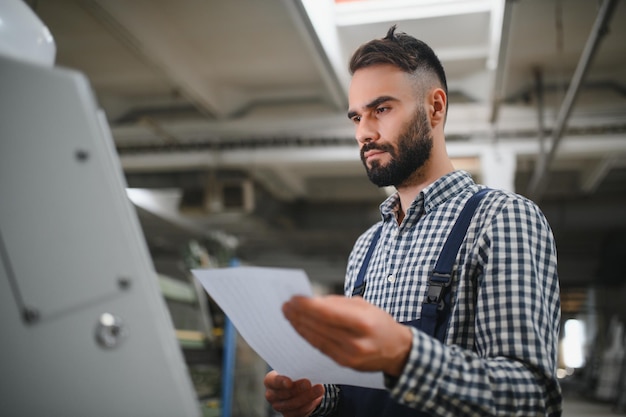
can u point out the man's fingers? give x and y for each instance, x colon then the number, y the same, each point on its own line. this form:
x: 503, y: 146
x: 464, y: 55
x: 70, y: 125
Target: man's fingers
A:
x: 302, y: 396
x: 292, y: 398
x: 330, y: 312
x: 351, y: 331
x: 329, y: 323
x: 278, y: 382
x: 326, y: 341
x: 304, y: 409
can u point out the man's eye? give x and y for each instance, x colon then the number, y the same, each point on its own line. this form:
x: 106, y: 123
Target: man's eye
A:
x: 356, y: 119
x: 381, y: 109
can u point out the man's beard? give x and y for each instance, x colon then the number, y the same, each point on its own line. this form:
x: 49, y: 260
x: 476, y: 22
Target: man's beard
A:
x: 412, y: 151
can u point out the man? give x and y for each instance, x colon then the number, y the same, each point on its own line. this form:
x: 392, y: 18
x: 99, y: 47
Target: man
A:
x: 497, y: 355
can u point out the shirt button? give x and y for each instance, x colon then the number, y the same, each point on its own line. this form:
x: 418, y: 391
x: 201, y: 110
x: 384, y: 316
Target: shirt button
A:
x: 391, y: 278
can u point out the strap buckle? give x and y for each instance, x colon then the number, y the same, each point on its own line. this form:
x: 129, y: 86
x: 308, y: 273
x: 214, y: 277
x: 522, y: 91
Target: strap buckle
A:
x: 436, y: 285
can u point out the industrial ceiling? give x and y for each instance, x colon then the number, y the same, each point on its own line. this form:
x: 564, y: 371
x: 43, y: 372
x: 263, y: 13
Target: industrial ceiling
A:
x: 234, y: 114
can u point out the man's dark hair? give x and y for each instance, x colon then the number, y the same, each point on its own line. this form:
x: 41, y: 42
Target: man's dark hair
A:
x: 401, y: 50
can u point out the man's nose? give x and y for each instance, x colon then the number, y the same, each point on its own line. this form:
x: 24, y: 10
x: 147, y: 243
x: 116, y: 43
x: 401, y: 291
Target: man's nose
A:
x: 366, y: 131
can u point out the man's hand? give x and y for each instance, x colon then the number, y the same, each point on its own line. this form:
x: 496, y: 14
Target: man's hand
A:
x: 352, y: 332
x: 292, y: 398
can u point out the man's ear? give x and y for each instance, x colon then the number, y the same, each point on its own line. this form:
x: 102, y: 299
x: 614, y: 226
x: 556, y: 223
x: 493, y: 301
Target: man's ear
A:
x: 437, y: 106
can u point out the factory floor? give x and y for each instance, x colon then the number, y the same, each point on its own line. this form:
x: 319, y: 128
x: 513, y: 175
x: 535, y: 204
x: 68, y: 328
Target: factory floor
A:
x: 580, y: 407
x: 581, y: 401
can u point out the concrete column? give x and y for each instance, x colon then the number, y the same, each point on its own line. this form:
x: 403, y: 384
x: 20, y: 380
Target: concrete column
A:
x: 498, y: 167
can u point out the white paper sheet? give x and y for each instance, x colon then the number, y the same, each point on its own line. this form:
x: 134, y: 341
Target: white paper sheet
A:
x: 252, y: 297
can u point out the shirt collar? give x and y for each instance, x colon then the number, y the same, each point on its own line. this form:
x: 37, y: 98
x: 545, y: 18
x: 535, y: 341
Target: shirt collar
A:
x: 431, y: 196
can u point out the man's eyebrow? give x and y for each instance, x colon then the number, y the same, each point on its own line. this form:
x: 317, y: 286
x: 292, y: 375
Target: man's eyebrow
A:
x: 373, y: 104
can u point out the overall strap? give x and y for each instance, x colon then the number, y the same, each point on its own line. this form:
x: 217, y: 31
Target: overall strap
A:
x: 359, y: 284
x: 436, y: 307
x: 367, y: 402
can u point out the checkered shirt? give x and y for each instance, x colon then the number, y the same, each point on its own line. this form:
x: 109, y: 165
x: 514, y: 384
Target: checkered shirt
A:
x: 499, y: 356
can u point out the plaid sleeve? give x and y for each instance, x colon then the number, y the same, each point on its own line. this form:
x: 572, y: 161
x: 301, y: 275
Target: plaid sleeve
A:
x: 510, y: 370
x: 329, y: 403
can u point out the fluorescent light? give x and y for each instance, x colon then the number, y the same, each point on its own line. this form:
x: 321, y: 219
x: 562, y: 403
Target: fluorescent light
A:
x: 365, y: 12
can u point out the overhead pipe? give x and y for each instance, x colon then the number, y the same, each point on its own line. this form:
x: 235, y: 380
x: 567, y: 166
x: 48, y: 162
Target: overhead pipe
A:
x: 538, y: 181
x: 500, y: 70
x: 539, y: 89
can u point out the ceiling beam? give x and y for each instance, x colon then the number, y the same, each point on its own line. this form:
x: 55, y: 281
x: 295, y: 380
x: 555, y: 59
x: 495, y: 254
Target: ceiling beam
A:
x: 348, y: 155
x: 366, y: 12
x: 280, y: 182
x: 538, y: 181
x: 498, y: 58
x: 463, y: 54
x: 593, y: 177
x: 313, y: 19
x: 148, y: 33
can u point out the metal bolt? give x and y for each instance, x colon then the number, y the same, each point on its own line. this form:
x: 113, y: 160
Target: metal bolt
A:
x: 123, y: 283
x: 30, y: 315
x: 82, y: 155
x: 110, y: 330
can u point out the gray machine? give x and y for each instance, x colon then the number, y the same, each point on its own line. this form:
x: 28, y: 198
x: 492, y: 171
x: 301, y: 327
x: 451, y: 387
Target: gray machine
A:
x: 85, y: 330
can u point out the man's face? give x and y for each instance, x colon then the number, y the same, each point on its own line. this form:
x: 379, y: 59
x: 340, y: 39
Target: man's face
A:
x: 411, y: 151
x: 392, y: 127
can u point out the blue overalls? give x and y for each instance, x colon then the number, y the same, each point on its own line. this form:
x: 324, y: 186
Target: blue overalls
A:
x: 436, y: 310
